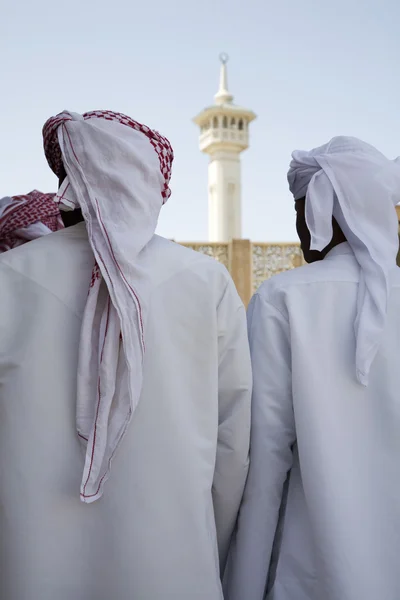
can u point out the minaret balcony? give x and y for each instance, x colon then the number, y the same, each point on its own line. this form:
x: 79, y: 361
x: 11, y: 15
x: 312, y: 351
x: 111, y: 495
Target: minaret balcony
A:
x: 229, y: 138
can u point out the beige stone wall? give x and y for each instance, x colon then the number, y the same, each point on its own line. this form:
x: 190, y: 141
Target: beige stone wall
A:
x: 252, y: 263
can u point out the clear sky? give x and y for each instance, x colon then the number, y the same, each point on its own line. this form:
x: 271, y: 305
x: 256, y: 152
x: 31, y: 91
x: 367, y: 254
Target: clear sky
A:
x: 310, y: 70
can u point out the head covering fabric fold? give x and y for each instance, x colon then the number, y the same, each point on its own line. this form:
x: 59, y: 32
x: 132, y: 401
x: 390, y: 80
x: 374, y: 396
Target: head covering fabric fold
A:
x: 118, y: 173
x: 27, y: 217
x: 353, y: 182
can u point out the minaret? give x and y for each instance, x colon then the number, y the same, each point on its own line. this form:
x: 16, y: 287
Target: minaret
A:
x: 224, y: 134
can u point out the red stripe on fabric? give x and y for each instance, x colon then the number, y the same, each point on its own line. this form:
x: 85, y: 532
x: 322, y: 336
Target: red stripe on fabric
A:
x: 123, y: 276
x: 99, y: 396
x: 65, y: 191
x: 99, y: 486
x: 101, y: 480
x: 69, y: 137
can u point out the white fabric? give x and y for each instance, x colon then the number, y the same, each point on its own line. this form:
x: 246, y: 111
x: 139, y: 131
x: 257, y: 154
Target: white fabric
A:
x: 320, y: 518
x: 179, y: 475
x: 360, y: 187
x: 114, y: 177
x: 66, y: 198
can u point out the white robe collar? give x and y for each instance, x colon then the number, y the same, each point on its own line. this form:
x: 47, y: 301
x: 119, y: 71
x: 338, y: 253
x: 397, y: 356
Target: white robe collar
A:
x: 339, y: 250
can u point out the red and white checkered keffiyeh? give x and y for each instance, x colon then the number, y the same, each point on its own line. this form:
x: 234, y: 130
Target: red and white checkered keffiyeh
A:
x: 118, y: 173
x: 160, y: 144
x: 25, y: 218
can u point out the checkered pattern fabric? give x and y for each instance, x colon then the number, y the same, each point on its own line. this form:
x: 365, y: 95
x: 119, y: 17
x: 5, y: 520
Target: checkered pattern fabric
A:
x: 160, y: 144
x: 26, y: 217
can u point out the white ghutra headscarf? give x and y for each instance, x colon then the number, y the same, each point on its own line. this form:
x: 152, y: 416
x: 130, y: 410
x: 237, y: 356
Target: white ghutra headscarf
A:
x: 353, y: 182
x: 118, y: 173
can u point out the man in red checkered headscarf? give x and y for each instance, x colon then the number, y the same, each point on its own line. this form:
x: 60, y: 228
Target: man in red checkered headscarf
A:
x: 27, y: 217
x: 111, y: 334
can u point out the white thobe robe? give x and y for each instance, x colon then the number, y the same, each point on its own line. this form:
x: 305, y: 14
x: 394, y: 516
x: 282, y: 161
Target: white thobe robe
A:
x: 320, y: 518
x: 176, y: 483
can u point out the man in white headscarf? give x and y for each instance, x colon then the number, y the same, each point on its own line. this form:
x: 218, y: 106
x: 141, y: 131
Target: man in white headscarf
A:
x: 320, y: 519
x: 125, y: 374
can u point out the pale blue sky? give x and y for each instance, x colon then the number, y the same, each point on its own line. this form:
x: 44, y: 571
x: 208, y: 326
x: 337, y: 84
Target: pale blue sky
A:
x: 310, y: 70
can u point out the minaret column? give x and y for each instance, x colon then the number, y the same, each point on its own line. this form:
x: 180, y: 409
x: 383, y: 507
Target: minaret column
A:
x: 224, y: 196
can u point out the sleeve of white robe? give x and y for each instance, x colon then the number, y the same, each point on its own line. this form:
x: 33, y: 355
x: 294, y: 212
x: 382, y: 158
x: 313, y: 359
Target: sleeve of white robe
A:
x: 272, y: 438
x: 234, y: 404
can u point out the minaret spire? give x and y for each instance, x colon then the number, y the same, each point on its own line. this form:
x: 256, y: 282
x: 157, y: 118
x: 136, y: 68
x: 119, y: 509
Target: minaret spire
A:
x: 223, y: 96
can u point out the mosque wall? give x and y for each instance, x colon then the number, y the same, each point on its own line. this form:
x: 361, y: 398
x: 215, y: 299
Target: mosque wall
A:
x: 250, y: 263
